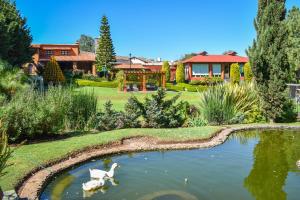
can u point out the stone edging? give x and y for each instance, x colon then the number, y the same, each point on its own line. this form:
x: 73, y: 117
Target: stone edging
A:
x: 35, y: 182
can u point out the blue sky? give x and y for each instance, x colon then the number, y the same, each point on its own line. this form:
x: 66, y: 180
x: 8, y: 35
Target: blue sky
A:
x: 149, y: 28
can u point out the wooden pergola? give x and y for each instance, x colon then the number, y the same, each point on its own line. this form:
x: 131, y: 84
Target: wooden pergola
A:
x: 143, y: 77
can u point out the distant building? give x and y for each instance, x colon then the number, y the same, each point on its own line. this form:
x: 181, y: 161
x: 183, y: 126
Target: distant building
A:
x: 68, y: 56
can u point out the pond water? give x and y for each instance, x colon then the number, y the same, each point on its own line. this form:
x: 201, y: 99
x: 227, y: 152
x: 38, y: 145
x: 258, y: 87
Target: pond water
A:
x: 249, y: 165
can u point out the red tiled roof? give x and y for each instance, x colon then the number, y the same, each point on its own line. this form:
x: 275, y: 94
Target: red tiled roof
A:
x: 56, y: 48
x: 127, y: 66
x: 84, y: 56
x: 216, y: 59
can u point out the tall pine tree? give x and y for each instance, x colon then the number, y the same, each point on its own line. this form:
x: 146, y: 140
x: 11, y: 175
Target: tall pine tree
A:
x: 15, y: 38
x: 105, y: 54
x: 268, y: 57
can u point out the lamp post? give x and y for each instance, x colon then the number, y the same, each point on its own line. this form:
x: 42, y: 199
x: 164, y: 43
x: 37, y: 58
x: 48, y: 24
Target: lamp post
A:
x: 130, y: 61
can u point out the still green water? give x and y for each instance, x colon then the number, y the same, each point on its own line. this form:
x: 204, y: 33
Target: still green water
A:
x: 249, y: 165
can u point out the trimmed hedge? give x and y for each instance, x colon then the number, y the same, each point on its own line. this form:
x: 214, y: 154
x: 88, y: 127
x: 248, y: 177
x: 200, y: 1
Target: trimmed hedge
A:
x: 108, y: 84
x: 207, y: 81
x: 186, y: 87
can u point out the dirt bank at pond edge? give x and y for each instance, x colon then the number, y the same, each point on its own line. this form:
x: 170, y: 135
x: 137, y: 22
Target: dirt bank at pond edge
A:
x: 34, y: 182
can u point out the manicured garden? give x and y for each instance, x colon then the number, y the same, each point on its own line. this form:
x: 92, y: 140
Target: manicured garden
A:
x: 119, y: 99
x: 44, y: 122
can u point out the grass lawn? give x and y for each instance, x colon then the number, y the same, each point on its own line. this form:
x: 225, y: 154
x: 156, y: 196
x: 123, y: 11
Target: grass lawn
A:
x: 29, y: 157
x: 119, y: 99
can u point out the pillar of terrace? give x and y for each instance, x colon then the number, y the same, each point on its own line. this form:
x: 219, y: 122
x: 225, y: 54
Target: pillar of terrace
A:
x: 164, y: 80
x: 124, y: 83
x: 222, y: 71
x: 210, y: 70
x: 144, y: 89
x: 94, y: 69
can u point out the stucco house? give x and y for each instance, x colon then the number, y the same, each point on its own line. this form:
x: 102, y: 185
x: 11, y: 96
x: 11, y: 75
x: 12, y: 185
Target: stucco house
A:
x: 68, y: 56
x: 204, y: 65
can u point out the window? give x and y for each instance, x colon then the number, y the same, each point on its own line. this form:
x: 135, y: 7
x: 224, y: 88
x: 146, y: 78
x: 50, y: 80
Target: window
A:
x: 64, y: 52
x: 49, y: 52
x: 242, y: 70
x: 216, y: 69
x: 199, y: 70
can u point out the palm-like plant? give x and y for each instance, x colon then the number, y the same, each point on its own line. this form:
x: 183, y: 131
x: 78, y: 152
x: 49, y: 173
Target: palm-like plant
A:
x: 223, y: 103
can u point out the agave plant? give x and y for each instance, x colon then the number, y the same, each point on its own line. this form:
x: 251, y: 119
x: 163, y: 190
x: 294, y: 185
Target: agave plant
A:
x: 223, y: 103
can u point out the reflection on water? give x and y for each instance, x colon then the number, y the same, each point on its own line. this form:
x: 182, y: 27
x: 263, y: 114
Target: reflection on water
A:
x: 250, y: 165
x: 103, y: 189
x: 274, y: 156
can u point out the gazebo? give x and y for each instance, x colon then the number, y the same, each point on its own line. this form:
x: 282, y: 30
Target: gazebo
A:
x: 143, y: 77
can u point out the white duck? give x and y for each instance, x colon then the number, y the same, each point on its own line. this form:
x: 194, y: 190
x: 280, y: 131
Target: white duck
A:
x: 93, y: 184
x: 298, y: 164
x: 100, y: 174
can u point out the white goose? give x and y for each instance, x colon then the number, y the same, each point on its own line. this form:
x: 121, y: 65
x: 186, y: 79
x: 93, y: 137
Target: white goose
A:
x: 93, y: 184
x: 100, y: 174
x: 298, y: 164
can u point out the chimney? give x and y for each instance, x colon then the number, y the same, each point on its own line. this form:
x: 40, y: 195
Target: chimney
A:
x: 231, y: 53
x: 203, y: 53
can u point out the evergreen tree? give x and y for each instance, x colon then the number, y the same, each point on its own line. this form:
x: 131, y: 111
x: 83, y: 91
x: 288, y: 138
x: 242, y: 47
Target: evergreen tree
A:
x: 293, y: 25
x: 268, y: 57
x: 86, y: 43
x: 180, y: 73
x: 15, y: 38
x: 53, y: 73
x: 248, y: 74
x: 105, y: 53
x: 235, y: 74
x: 166, y: 68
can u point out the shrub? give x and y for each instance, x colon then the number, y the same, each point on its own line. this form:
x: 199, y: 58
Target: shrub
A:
x: 288, y: 114
x: 180, y: 73
x: 5, y: 152
x: 235, y: 73
x: 185, y: 87
x: 120, y: 80
x: 33, y: 115
x: 109, y: 84
x: 166, y: 69
x: 30, y: 115
x: 53, y: 73
x: 248, y: 74
x: 82, y: 111
x: 12, y: 80
x: 196, y: 122
x: 92, y: 77
x: 157, y: 112
x: 225, y: 104
x: 208, y: 81
x: 108, y: 119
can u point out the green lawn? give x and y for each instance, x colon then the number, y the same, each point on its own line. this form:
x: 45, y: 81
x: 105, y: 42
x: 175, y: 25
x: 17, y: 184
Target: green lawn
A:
x: 29, y: 157
x: 119, y: 99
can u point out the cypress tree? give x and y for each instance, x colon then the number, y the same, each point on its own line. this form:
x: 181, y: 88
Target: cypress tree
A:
x: 235, y: 74
x: 105, y: 53
x: 53, y: 73
x: 180, y: 73
x: 248, y: 74
x: 293, y: 25
x: 166, y: 68
x: 268, y: 57
x: 15, y: 38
